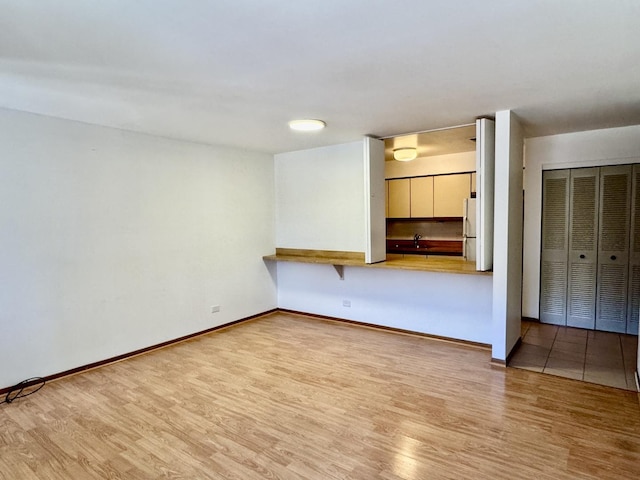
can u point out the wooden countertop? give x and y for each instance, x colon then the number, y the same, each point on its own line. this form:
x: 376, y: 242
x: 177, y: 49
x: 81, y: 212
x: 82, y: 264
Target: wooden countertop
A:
x: 428, y: 263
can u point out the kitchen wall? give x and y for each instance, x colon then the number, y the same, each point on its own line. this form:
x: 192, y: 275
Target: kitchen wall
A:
x: 572, y: 150
x: 112, y: 241
x: 400, y: 229
x: 320, y: 198
x: 436, y: 165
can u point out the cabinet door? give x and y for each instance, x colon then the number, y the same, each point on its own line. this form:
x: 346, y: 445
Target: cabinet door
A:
x: 448, y: 193
x: 553, y: 264
x: 422, y: 197
x: 583, y: 250
x: 613, y: 248
x: 633, y: 302
x: 399, y: 198
x: 473, y: 183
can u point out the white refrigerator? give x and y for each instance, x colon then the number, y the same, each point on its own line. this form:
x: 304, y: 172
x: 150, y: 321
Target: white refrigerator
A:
x: 469, y: 229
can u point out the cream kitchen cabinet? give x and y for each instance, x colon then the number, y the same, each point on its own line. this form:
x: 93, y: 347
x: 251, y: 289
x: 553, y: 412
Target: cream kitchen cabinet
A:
x: 428, y: 196
x: 448, y: 193
x: 422, y: 197
x: 399, y: 198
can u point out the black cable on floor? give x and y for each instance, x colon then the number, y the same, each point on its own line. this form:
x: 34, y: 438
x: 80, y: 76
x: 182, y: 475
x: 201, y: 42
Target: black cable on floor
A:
x: 18, y: 391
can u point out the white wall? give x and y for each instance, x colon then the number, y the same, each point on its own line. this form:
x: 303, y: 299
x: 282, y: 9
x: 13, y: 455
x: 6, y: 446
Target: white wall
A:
x: 507, y: 239
x: 435, y: 165
x: 319, y: 192
x: 572, y: 150
x: 445, y: 304
x: 113, y: 241
x: 320, y: 198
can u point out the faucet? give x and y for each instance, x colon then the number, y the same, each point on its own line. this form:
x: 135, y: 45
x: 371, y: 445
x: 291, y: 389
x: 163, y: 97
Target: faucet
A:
x: 416, y: 238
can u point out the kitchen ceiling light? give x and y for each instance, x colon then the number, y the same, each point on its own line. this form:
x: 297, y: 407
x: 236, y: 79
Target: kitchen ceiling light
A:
x: 306, y: 125
x: 405, y: 154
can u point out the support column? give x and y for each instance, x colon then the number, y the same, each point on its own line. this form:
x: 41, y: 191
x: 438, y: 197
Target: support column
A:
x: 507, y: 247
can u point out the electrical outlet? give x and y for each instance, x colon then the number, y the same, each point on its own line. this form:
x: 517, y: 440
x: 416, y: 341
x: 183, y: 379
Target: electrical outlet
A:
x: 346, y: 303
x: 215, y: 308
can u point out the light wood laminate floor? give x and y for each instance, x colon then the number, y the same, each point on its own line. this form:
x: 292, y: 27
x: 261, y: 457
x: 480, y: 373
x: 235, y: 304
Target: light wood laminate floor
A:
x: 291, y: 397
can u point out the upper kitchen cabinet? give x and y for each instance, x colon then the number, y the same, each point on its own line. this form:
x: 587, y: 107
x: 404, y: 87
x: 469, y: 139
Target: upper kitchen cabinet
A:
x: 428, y: 196
x: 399, y: 198
x: 439, y: 177
x: 448, y: 193
x: 421, y: 197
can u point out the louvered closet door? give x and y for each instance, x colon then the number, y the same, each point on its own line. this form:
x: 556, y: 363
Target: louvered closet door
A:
x: 613, y: 248
x: 553, y: 267
x: 583, y: 250
x: 633, y: 299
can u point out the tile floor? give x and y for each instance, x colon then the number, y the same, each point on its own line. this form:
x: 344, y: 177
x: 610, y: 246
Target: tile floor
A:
x: 597, y: 357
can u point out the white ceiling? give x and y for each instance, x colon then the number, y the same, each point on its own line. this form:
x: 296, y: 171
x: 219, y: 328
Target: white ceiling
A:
x: 234, y: 72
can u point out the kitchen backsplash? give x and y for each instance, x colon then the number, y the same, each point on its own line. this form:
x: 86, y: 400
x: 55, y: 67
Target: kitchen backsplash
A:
x: 436, y: 230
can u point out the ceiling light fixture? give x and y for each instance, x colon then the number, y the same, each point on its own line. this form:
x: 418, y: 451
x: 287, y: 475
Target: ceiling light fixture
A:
x: 306, y: 125
x: 405, y: 154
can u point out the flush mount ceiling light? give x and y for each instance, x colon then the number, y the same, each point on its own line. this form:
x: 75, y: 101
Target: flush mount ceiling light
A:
x: 405, y: 154
x: 306, y: 125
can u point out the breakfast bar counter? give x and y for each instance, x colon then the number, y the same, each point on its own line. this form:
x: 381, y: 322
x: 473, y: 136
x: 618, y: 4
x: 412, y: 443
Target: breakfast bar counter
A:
x: 425, y: 263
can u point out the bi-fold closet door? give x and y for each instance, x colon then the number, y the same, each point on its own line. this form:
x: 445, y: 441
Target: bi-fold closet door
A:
x: 590, y: 270
x: 553, y: 257
x: 583, y: 247
x: 613, y: 248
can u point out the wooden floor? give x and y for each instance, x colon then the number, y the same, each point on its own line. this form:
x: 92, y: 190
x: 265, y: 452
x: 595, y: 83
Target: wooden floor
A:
x: 291, y: 397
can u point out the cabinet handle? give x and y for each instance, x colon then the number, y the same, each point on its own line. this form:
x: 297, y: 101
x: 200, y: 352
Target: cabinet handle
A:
x: 583, y: 256
x: 613, y: 257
